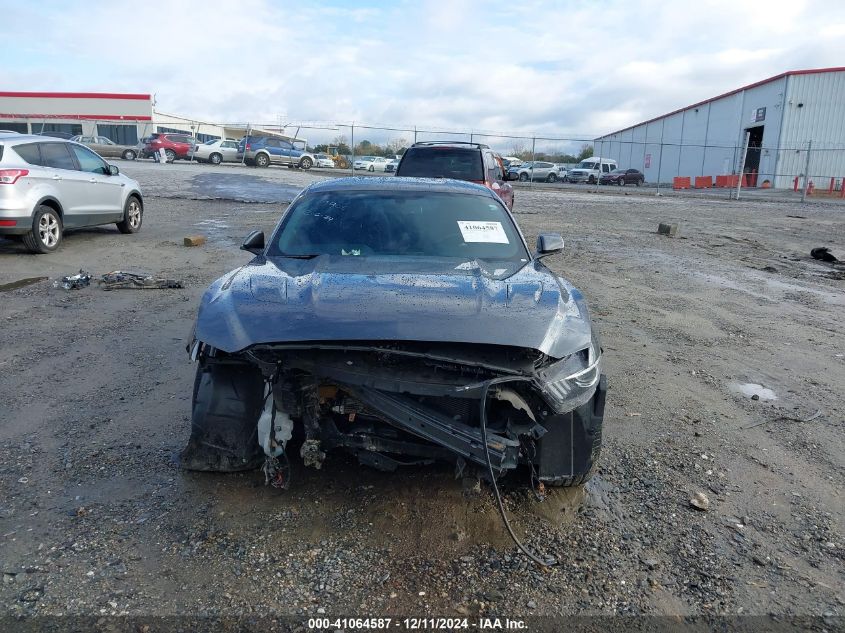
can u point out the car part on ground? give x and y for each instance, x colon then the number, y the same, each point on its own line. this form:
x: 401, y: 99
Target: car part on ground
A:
x: 119, y: 280
x: 48, y: 185
x: 377, y: 374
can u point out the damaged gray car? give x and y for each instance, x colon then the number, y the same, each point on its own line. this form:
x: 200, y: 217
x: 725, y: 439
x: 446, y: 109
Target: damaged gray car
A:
x: 404, y: 320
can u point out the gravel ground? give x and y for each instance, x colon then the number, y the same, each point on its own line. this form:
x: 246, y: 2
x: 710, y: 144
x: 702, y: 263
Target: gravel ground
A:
x: 96, y: 519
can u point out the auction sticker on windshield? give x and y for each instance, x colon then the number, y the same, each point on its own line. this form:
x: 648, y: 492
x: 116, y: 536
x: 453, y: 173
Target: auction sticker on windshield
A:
x: 490, y: 232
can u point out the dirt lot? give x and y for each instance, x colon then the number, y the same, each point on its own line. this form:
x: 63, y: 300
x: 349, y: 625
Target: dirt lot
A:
x: 95, y: 517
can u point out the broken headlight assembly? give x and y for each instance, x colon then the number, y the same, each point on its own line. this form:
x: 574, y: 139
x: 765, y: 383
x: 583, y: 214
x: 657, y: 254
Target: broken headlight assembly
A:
x: 571, y: 381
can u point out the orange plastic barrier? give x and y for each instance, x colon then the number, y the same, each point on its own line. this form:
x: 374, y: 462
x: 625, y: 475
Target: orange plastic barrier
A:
x: 721, y: 181
x: 703, y: 182
x: 681, y: 182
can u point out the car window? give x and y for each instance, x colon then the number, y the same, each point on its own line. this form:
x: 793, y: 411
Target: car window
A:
x: 104, y: 141
x: 178, y: 139
x: 399, y: 223
x: 29, y: 152
x: 89, y: 161
x: 442, y: 162
x: 57, y: 155
x: 605, y: 167
x: 285, y: 145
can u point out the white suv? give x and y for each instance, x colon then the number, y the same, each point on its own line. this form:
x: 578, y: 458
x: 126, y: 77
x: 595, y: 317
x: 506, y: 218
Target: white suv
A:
x: 48, y: 184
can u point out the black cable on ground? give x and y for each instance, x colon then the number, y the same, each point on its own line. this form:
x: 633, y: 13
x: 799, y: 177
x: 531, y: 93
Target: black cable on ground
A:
x: 550, y: 561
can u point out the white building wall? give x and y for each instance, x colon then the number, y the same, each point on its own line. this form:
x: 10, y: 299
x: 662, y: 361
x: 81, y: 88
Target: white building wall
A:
x: 820, y: 118
x: 707, y: 139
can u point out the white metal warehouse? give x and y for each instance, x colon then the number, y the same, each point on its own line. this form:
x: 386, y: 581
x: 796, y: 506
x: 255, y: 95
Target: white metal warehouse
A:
x: 787, y: 119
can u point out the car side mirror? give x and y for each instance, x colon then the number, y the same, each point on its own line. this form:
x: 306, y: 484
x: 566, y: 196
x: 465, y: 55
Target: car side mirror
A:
x: 113, y: 170
x: 254, y: 243
x: 548, y: 244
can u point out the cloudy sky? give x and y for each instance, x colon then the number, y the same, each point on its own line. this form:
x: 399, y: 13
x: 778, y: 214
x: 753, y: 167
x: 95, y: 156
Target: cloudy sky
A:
x: 577, y: 68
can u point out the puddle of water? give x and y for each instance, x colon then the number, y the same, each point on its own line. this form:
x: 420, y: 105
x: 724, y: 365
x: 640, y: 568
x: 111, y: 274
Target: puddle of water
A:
x: 20, y: 283
x: 749, y: 389
x: 243, y: 187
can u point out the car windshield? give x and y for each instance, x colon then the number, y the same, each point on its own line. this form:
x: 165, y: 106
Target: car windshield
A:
x: 211, y: 142
x: 587, y: 165
x: 443, y: 162
x: 399, y: 223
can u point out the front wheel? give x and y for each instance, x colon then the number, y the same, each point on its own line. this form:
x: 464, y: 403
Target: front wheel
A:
x: 639, y: 182
x: 262, y: 160
x: 523, y: 177
x: 591, y: 180
x: 306, y: 163
x: 46, y: 234
x: 129, y: 155
x: 215, y: 158
x: 552, y: 178
x: 170, y: 155
x: 133, y: 216
x: 621, y: 182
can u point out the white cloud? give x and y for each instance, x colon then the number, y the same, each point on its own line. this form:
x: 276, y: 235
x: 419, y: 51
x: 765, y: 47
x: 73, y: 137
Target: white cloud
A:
x: 539, y: 67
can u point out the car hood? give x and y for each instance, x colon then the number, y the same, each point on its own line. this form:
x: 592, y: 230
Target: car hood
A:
x: 334, y: 298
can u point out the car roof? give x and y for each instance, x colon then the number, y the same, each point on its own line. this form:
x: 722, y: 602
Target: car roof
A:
x: 14, y: 138
x: 398, y: 183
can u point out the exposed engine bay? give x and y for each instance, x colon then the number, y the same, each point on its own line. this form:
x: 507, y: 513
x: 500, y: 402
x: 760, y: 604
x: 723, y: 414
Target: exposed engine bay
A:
x: 397, y: 404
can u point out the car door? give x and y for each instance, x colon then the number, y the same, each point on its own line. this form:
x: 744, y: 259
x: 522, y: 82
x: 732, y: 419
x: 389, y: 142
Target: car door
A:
x: 286, y: 153
x: 103, y: 192
x: 104, y: 147
x: 229, y: 150
x: 69, y: 183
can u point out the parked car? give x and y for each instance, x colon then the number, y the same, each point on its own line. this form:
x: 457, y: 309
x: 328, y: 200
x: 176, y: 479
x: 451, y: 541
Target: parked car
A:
x: 106, y: 147
x: 391, y: 166
x: 562, y: 171
x: 263, y: 151
x: 460, y: 161
x: 217, y: 151
x: 537, y: 170
x: 363, y: 162
x: 623, y: 177
x: 403, y: 320
x: 323, y: 160
x: 48, y: 185
x: 175, y: 146
x: 511, y: 161
x: 588, y: 169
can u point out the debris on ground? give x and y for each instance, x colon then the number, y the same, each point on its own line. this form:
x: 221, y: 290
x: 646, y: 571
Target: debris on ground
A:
x: 823, y: 253
x: 118, y: 280
x: 194, y: 240
x: 670, y: 230
x: 73, y: 282
x: 699, y: 501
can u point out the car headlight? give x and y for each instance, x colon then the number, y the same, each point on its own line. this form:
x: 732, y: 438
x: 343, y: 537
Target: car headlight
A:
x: 570, y: 382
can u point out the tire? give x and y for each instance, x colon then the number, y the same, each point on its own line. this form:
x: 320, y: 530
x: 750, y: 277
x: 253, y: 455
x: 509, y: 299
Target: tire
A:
x: 591, y: 180
x: 523, y: 177
x: 306, y: 163
x: 215, y: 158
x: 170, y: 155
x: 621, y: 182
x: 551, y: 178
x: 130, y: 155
x: 46, y: 234
x: 640, y: 182
x: 133, y: 216
x: 262, y: 160
x: 371, y: 168
x: 225, y: 407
